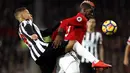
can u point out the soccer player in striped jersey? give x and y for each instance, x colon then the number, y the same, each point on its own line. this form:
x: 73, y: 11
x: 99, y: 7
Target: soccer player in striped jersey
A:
x: 92, y: 41
x: 43, y: 53
x: 126, y: 56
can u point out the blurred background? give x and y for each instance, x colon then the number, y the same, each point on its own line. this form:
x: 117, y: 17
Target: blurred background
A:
x: 15, y: 57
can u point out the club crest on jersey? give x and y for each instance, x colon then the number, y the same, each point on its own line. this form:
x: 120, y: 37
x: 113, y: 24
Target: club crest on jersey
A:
x: 79, y: 19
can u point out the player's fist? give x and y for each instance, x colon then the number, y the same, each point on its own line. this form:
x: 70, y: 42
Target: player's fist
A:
x: 34, y: 37
x: 126, y: 61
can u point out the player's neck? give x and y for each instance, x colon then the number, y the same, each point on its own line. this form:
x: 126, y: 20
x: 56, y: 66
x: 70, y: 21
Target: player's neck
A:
x: 90, y: 30
x: 82, y: 12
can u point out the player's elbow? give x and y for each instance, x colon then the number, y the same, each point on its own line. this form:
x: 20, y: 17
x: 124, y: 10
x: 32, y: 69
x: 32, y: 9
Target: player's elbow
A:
x: 61, y: 32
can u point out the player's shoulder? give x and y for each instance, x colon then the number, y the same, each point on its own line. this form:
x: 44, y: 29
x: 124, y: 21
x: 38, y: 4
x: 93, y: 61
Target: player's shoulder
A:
x: 98, y: 33
x: 80, y: 17
x: 80, y: 14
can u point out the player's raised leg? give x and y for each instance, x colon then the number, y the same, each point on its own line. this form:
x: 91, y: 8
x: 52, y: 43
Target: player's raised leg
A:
x: 80, y: 50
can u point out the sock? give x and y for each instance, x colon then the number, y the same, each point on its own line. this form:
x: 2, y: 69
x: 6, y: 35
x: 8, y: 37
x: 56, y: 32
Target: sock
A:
x: 81, y: 51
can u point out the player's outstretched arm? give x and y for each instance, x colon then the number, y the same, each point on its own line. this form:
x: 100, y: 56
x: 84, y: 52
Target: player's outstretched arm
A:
x: 49, y: 31
x: 101, y: 54
x: 126, y: 58
x: 59, y: 38
x: 101, y: 48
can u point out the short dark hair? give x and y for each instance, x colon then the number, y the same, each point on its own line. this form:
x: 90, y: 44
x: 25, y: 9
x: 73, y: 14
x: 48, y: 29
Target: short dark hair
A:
x: 86, y: 6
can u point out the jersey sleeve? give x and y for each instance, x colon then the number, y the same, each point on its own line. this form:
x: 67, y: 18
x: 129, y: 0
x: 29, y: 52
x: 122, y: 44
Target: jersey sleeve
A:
x: 63, y: 24
x: 128, y: 42
x: 76, y: 21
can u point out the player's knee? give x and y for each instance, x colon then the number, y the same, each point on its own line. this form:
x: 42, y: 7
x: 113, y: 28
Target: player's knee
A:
x: 70, y: 45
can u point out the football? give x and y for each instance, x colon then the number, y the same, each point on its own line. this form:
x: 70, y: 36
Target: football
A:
x: 109, y: 27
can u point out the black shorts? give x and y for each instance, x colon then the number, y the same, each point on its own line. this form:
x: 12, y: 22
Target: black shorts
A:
x: 47, y: 60
x: 87, y: 68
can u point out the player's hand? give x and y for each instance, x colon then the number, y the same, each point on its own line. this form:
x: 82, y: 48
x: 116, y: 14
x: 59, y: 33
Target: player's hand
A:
x: 34, y: 37
x: 126, y: 61
x: 57, y: 42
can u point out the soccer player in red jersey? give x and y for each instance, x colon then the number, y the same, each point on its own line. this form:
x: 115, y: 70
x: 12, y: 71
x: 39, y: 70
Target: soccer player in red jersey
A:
x: 74, y: 28
x: 76, y: 25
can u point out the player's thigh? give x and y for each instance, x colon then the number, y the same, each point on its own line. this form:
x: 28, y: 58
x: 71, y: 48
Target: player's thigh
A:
x: 70, y: 45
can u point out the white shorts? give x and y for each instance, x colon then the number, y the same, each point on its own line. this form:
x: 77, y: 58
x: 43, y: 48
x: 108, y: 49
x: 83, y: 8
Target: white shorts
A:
x: 69, y: 63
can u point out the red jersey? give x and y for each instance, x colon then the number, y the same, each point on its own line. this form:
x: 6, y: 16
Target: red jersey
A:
x: 75, y: 27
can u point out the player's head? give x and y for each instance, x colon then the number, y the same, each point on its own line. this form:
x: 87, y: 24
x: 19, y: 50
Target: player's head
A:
x: 22, y: 14
x: 91, y: 23
x: 87, y: 8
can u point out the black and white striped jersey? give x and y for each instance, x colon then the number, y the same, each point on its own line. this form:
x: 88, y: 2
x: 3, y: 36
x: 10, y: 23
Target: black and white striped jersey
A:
x: 36, y: 47
x: 128, y: 42
x: 91, y: 41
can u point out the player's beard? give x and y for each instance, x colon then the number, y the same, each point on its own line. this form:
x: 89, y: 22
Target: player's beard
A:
x: 90, y: 15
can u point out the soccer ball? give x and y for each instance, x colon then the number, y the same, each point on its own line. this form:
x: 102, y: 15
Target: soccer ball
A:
x: 109, y: 27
